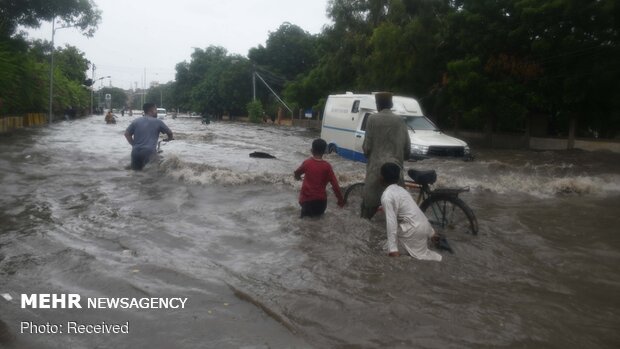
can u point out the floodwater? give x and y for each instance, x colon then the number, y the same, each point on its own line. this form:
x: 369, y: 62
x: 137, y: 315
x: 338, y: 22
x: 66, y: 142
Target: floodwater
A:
x: 213, y: 225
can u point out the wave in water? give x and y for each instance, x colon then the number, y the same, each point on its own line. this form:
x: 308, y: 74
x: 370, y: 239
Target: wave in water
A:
x: 198, y: 173
x: 506, y: 181
x: 536, y: 180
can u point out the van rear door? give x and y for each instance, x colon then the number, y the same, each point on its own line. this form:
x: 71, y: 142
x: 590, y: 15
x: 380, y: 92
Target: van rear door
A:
x: 360, y: 132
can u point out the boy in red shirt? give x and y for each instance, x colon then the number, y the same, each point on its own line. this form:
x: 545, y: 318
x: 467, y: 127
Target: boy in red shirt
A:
x: 318, y: 172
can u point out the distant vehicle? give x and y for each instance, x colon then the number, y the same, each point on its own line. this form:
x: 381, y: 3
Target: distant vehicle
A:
x: 344, y: 128
x: 161, y: 113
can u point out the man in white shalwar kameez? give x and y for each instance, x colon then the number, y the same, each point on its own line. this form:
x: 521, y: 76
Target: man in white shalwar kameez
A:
x: 408, y: 229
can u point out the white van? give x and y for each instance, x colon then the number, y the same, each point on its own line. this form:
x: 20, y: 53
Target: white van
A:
x: 161, y: 113
x: 344, y: 127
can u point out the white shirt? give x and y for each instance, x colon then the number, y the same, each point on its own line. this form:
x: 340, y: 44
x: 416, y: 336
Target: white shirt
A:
x: 406, y: 224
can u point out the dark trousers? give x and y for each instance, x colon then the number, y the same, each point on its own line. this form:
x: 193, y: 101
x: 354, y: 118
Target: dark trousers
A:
x: 140, y: 157
x: 368, y: 212
x: 313, y: 208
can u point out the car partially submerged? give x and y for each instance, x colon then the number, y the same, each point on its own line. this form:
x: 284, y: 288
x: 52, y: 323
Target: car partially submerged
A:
x: 344, y: 128
x: 428, y: 141
x: 161, y: 113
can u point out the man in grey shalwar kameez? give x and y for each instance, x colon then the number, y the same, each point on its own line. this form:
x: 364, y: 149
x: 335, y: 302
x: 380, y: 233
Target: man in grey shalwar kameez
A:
x: 386, y: 140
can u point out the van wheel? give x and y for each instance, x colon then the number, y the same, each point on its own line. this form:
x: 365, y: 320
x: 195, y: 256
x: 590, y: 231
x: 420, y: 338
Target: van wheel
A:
x: 332, y: 149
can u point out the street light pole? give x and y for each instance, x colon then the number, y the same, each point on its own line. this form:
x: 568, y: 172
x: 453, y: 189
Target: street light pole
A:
x: 254, y: 81
x: 52, y: 70
x: 52, y: 65
x: 92, y: 89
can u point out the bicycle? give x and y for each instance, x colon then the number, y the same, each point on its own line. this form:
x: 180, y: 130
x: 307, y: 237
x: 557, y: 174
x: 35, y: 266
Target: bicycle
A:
x: 446, y: 212
x: 165, y: 140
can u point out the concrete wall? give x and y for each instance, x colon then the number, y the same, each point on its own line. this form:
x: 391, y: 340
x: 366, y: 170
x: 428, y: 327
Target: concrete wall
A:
x: 583, y: 144
x: 594, y: 145
x: 516, y: 141
x: 548, y: 143
x: 283, y: 122
x: 504, y: 141
x: 10, y: 123
x: 307, y: 123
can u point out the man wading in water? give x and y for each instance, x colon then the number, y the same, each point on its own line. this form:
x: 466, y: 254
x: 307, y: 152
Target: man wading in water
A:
x: 143, y: 134
x: 386, y: 140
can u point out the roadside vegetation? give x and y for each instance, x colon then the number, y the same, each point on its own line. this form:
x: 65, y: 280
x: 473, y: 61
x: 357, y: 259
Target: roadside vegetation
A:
x: 496, y: 66
x: 532, y: 66
x: 25, y: 65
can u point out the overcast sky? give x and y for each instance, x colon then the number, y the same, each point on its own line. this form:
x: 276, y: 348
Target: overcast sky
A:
x: 156, y: 35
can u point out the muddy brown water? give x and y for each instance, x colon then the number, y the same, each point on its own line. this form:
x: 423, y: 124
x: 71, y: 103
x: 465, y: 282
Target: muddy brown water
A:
x: 211, y: 224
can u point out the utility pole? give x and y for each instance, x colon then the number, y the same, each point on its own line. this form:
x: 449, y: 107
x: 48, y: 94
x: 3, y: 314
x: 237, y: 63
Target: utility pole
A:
x: 144, y: 87
x: 254, y: 82
x: 92, y: 89
x: 52, y: 65
x: 274, y: 93
x: 52, y: 69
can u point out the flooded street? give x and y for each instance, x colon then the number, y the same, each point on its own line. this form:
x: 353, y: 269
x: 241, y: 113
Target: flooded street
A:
x: 212, y: 224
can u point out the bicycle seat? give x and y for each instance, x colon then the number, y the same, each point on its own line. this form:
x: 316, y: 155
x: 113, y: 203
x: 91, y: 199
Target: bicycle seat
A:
x: 423, y: 177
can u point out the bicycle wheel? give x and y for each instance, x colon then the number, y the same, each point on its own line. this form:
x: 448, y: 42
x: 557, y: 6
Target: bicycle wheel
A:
x: 449, y: 215
x: 353, y: 197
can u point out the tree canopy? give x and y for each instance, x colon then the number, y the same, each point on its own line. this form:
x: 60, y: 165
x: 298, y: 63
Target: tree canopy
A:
x: 26, y: 64
x: 481, y: 64
x: 214, y: 82
x: 27, y: 67
x: 82, y: 14
x: 118, y: 95
x: 289, y: 51
x: 493, y: 65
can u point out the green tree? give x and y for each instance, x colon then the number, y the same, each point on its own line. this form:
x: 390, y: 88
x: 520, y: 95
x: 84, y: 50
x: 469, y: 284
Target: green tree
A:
x: 289, y: 51
x: 27, y: 79
x: 183, y: 87
x: 82, y: 14
x: 24, y: 67
x: 69, y: 75
x: 491, y: 65
x: 576, y: 43
x: 309, y: 90
x: 376, y: 45
x: 213, y: 83
x: 162, y: 95
x: 119, y: 97
x: 255, y: 111
x: 72, y: 63
x: 26, y: 71
x: 535, y: 56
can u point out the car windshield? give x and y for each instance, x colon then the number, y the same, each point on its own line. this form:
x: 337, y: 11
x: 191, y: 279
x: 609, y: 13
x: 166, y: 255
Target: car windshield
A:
x: 420, y: 123
x: 161, y: 111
